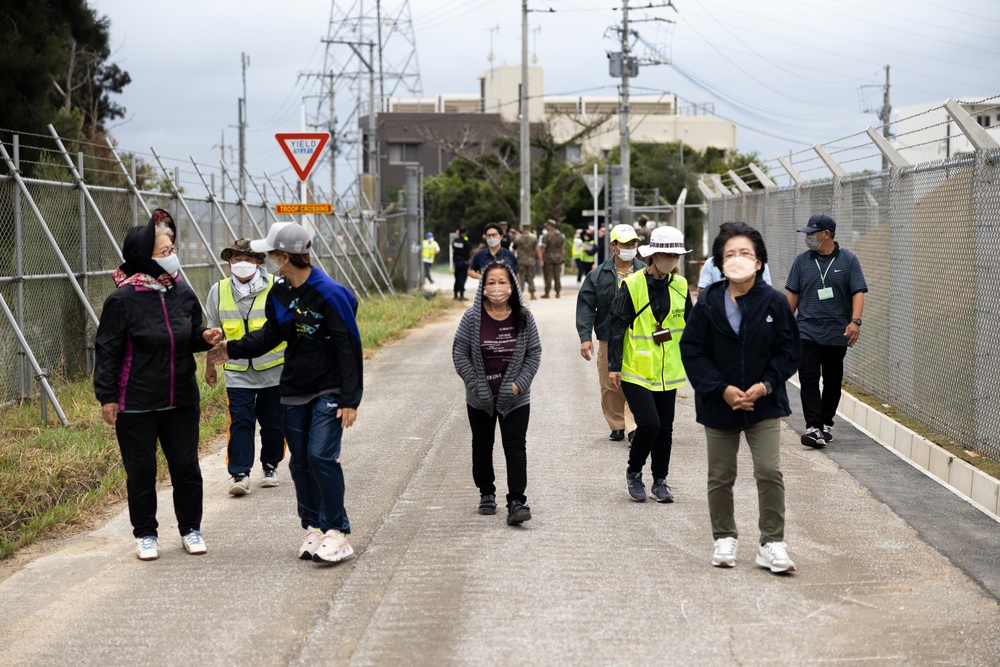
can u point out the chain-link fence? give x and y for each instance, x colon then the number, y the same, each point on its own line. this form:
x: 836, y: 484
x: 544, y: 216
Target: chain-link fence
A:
x: 58, y: 251
x: 925, y: 235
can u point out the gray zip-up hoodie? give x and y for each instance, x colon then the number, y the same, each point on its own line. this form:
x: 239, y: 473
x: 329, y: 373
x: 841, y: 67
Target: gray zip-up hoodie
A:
x: 468, y: 358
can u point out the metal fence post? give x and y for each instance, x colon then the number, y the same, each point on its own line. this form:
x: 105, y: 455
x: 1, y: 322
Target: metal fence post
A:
x: 412, y: 242
x: 135, y: 190
x: 39, y: 373
x: 25, y: 379
x: 82, y: 206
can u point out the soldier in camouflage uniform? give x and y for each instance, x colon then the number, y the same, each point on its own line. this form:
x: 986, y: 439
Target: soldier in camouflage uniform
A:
x: 553, y: 245
x: 525, y: 246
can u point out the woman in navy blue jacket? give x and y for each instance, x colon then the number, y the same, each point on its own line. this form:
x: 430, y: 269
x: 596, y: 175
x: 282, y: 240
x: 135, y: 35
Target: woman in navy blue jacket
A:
x: 740, y: 345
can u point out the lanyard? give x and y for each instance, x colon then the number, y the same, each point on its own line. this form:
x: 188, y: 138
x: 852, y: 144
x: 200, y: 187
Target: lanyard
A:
x: 822, y: 274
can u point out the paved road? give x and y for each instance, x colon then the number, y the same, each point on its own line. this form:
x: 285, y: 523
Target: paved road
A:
x: 593, y: 579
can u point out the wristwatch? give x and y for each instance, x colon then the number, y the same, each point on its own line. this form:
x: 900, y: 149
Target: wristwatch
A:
x: 857, y: 320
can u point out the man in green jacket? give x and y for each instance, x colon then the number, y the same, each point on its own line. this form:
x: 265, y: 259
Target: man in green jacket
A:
x: 592, y: 307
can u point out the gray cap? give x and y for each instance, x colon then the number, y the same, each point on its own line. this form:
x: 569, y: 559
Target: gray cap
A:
x: 285, y: 236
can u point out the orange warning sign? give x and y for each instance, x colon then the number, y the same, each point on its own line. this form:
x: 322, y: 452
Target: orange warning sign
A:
x: 303, y: 209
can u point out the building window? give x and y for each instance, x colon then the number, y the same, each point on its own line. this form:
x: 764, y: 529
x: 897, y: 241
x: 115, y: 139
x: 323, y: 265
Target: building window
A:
x: 403, y: 153
x: 573, y: 154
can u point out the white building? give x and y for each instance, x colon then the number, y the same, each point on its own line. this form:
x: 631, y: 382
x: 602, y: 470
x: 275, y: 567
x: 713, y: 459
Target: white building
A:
x: 925, y: 132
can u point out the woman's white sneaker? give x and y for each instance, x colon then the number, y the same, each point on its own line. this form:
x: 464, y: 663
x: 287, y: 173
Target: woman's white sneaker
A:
x: 145, y: 548
x: 774, y: 557
x: 194, y: 543
x: 334, y: 548
x: 311, y: 543
x: 725, y: 552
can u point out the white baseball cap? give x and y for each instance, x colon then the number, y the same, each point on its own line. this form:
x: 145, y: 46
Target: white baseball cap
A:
x: 285, y: 236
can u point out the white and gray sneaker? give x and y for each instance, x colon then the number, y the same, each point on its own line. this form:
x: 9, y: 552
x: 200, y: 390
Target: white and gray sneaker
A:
x: 270, y: 479
x: 334, y: 548
x: 774, y: 557
x: 194, y: 543
x: 240, y: 486
x: 725, y: 552
x: 145, y: 548
x: 311, y: 543
x: 813, y: 437
x: 827, y: 433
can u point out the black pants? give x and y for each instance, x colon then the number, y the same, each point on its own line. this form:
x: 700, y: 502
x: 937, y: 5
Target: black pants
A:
x: 427, y: 272
x: 461, y: 274
x: 581, y: 270
x: 513, y: 432
x: 654, y: 433
x: 177, y: 431
x: 828, y: 361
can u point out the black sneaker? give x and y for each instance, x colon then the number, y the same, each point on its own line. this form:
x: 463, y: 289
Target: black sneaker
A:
x: 518, y: 513
x: 634, y: 486
x: 660, y: 491
x: 813, y: 437
x: 827, y: 433
x: 487, y: 504
x: 631, y: 436
x: 617, y: 435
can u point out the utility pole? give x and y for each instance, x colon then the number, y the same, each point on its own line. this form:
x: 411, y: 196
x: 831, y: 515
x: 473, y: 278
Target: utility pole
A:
x: 884, y: 115
x: 623, y: 124
x: 525, y: 144
x: 245, y: 60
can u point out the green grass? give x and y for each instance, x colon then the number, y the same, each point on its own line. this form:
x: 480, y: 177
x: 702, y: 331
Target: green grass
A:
x: 53, y: 478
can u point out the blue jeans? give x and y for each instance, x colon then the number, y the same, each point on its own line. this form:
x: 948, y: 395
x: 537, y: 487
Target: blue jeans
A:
x: 313, y: 432
x: 247, y: 407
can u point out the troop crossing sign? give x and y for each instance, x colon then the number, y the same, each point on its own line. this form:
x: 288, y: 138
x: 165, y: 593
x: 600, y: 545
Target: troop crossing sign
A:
x: 302, y: 149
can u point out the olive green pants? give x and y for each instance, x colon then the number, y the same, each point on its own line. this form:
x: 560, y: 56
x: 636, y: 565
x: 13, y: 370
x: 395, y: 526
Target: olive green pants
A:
x: 764, y: 440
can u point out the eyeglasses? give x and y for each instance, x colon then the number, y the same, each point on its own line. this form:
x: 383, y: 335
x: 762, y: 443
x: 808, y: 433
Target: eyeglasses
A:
x: 494, y: 235
x: 627, y: 245
x: 167, y: 252
x: 743, y: 252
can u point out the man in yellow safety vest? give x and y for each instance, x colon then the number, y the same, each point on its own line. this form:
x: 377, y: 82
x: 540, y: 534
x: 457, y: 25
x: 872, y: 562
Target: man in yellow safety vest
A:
x: 430, y: 250
x: 237, y: 305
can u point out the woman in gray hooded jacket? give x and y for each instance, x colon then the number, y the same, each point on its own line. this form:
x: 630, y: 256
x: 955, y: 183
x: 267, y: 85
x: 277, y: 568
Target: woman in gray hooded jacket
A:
x: 496, y: 352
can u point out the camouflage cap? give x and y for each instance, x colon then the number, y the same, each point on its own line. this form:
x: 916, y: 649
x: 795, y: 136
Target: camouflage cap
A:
x: 242, y: 247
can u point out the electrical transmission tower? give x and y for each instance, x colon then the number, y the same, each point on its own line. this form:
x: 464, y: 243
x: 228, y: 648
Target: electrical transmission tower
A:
x: 370, y: 55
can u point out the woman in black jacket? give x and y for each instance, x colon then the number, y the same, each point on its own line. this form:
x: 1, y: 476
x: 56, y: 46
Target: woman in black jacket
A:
x: 740, y: 345
x: 144, y: 378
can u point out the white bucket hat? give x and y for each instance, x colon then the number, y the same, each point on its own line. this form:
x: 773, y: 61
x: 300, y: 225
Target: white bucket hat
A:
x: 668, y: 240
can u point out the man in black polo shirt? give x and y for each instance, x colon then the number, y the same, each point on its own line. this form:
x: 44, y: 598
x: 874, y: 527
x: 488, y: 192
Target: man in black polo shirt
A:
x: 827, y: 287
x: 461, y: 249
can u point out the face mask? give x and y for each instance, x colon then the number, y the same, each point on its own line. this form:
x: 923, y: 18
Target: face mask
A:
x: 812, y: 242
x: 243, y: 269
x: 172, y: 264
x: 497, y: 294
x: 739, y: 269
x: 626, y: 254
x: 493, y: 243
x: 665, y: 263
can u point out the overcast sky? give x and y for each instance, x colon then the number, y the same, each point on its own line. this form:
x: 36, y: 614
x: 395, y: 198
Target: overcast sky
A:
x: 791, y: 73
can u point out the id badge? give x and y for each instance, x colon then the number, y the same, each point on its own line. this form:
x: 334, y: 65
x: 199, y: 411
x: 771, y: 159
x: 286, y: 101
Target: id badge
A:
x: 662, y: 336
x: 825, y: 293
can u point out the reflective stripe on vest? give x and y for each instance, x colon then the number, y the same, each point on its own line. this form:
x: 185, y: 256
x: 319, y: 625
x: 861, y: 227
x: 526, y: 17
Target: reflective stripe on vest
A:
x: 645, y: 363
x: 234, y: 327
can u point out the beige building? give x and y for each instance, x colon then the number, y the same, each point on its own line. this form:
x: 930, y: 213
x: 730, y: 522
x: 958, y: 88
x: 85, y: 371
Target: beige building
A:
x: 653, y: 118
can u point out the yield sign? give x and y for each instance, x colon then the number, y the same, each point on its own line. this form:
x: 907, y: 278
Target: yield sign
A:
x: 594, y: 183
x: 302, y: 149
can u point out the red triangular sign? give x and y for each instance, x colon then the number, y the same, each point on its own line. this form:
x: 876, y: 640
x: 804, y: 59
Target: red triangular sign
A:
x: 302, y: 149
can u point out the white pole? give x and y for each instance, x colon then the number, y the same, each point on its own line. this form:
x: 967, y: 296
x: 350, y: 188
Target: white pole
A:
x: 596, y: 191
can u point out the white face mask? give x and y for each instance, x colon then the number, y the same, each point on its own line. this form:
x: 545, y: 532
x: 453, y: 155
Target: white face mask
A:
x: 738, y: 269
x: 171, y: 264
x: 626, y: 254
x: 665, y: 263
x: 243, y: 269
x: 493, y: 243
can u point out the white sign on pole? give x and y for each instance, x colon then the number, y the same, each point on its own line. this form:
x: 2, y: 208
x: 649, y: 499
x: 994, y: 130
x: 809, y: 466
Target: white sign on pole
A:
x: 594, y: 183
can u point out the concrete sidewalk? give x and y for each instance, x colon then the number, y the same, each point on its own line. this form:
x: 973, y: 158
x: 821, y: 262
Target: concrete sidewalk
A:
x: 593, y: 578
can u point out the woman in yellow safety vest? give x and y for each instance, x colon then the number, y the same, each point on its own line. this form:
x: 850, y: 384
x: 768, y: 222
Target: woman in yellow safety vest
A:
x: 236, y: 304
x: 647, y: 321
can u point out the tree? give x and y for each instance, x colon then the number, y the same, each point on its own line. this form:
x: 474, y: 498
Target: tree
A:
x: 54, y: 68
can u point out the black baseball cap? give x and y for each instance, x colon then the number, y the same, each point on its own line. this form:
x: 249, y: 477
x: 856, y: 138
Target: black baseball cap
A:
x: 820, y: 222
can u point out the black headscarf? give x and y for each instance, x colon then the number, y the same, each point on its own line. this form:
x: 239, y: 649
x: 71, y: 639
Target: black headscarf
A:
x: 137, y: 248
